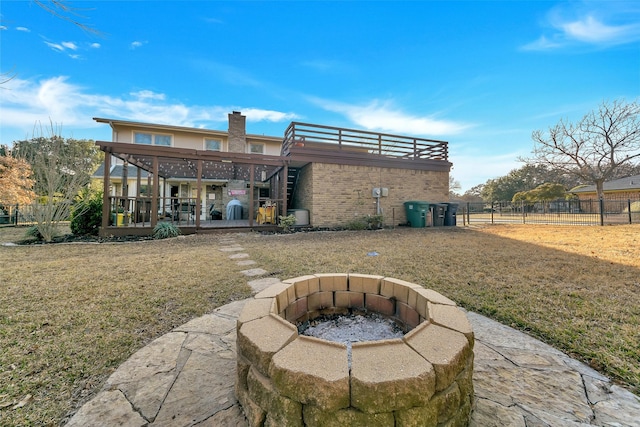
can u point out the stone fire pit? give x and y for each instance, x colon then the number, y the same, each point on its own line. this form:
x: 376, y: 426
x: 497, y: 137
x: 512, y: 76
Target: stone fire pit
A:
x: 286, y: 379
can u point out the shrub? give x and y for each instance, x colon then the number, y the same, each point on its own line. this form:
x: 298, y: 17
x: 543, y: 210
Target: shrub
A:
x: 164, y: 230
x: 286, y: 222
x: 86, y: 214
x: 367, y: 222
x: 34, y: 232
x: 356, y: 224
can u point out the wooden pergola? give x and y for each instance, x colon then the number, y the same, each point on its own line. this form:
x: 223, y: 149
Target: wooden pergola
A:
x: 170, y: 163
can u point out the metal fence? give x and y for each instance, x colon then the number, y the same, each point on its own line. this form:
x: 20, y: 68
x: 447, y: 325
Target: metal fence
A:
x: 16, y: 215
x: 563, y: 212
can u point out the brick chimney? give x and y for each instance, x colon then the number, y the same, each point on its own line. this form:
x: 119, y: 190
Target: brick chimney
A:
x: 237, y: 132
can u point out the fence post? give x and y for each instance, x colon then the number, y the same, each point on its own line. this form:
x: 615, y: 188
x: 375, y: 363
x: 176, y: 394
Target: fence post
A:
x: 15, y: 215
x: 468, y: 213
x: 601, y: 205
x: 629, y: 209
x: 492, y: 212
x: 524, y: 216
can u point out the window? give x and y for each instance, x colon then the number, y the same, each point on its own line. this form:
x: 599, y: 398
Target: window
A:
x: 151, y: 139
x: 142, y: 138
x: 212, y: 144
x: 163, y: 140
x: 256, y: 148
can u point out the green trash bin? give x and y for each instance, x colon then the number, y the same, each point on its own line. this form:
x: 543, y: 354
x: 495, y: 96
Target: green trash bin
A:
x: 416, y: 213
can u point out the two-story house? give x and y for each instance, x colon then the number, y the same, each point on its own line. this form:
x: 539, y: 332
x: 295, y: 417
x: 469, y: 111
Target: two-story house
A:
x: 192, y: 176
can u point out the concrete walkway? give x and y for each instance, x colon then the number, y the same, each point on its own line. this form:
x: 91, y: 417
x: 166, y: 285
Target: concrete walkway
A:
x: 186, y: 378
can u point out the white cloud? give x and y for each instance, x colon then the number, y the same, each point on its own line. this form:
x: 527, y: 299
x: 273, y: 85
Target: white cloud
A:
x: 608, y: 26
x: 258, y: 115
x: 136, y: 44
x: 384, y: 116
x: 70, y: 45
x: 64, y: 47
x: 590, y: 30
x: 55, y: 46
x: 23, y: 29
x: 3, y: 27
x: 543, y: 43
x: 147, y: 94
x: 95, y: 45
x: 27, y: 102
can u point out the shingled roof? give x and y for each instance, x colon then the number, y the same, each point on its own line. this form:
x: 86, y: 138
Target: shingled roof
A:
x: 629, y: 183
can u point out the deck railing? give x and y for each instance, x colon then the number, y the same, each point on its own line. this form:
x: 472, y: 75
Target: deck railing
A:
x: 305, y: 135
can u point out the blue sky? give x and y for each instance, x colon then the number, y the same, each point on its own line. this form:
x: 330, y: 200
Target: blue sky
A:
x: 481, y: 75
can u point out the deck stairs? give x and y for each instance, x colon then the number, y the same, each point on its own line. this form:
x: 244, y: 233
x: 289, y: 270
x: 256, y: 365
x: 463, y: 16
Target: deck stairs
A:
x: 292, y: 182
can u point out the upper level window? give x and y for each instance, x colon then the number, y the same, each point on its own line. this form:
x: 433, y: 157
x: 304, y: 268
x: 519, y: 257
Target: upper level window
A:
x: 256, y: 148
x: 151, y: 139
x: 212, y: 144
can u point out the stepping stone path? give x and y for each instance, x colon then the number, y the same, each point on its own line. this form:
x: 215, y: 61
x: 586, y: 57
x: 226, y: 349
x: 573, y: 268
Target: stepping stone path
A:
x: 186, y: 378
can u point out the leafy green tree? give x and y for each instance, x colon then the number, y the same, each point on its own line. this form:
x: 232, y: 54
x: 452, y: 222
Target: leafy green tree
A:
x: 544, y: 194
x: 595, y: 149
x: 548, y: 192
x: 524, y: 179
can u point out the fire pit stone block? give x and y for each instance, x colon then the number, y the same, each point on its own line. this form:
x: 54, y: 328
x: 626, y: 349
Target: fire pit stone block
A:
x: 447, y: 350
x: 333, y: 282
x: 365, y: 283
x: 260, y: 339
x: 316, y: 417
x: 387, y: 375
x: 255, y: 309
x: 314, y: 372
x: 423, y: 379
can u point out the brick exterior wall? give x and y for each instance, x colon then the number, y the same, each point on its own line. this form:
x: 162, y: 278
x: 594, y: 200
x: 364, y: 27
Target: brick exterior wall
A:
x: 237, y: 133
x: 303, y: 196
x: 337, y: 194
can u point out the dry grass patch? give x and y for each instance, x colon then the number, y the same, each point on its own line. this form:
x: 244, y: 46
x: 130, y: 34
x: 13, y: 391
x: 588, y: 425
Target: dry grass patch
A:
x: 71, y: 314
x: 576, y: 288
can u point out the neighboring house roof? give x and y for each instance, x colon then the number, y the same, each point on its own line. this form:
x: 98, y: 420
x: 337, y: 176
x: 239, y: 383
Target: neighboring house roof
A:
x: 116, y: 172
x: 630, y: 183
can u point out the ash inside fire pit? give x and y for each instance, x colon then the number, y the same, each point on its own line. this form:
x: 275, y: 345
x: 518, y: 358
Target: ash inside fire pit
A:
x: 351, y: 328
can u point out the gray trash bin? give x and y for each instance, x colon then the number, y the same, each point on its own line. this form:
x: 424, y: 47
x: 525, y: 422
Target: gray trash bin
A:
x: 439, y: 212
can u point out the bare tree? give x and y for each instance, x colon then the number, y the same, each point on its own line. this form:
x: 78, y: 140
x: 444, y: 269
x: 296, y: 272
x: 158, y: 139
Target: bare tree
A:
x: 60, y: 171
x: 454, y: 187
x: 596, y: 148
x: 61, y: 9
